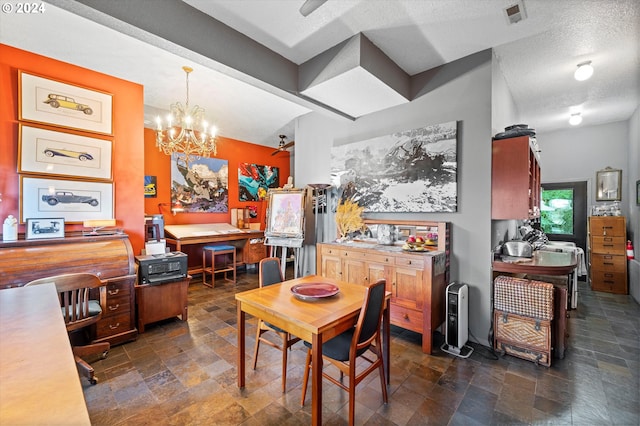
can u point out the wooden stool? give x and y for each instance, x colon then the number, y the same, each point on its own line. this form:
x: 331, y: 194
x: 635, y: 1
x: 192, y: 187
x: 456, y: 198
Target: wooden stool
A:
x: 215, y: 251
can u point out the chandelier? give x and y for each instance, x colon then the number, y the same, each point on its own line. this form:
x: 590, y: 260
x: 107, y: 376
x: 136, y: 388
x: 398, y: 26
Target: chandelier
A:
x: 179, y: 135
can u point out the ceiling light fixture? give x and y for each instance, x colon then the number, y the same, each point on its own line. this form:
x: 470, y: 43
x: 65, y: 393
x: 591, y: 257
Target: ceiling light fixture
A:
x: 575, y: 119
x: 584, y: 71
x: 178, y: 136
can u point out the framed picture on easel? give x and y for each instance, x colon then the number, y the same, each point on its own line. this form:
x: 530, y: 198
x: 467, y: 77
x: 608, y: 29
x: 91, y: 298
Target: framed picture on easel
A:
x: 285, y: 213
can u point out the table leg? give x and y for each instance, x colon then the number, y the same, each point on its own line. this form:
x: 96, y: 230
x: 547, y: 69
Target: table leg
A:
x: 241, y: 346
x: 386, y: 342
x: 316, y: 380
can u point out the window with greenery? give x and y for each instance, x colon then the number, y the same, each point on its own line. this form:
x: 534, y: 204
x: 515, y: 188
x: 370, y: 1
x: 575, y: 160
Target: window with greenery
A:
x: 557, y: 211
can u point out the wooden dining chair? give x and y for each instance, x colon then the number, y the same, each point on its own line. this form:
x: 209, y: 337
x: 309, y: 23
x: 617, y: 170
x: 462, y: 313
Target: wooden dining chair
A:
x: 270, y: 273
x: 79, y: 311
x: 343, y: 350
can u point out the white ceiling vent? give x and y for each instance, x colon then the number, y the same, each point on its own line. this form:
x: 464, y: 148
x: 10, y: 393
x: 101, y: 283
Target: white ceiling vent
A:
x: 515, y: 13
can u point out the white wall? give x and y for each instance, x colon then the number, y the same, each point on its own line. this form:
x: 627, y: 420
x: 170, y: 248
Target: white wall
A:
x: 577, y: 154
x: 633, y: 207
x: 458, y: 91
x: 503, y: 113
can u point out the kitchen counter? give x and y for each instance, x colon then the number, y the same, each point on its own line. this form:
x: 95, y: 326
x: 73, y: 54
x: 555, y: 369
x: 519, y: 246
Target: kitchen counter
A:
x: 372, y: 245
x: 542, y: 263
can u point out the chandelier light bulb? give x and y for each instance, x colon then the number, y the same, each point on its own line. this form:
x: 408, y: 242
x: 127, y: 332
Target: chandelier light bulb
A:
x: 575, y: 119
x: 584, y: 71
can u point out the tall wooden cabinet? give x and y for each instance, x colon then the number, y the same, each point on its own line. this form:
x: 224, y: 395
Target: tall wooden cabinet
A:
x: 515, y: 178
x: 416, y: 280
x: 607, y: 254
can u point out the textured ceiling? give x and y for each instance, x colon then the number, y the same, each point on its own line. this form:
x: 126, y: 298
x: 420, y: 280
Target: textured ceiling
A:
x: 537, y: 56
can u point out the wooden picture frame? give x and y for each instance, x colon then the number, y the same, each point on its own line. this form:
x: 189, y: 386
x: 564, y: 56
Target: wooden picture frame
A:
x: 49, y: 152
x: 74, y: 201
x: 47, y: 101
x: 285, y: 213
x: 609, y: 184
x: 44, y: 228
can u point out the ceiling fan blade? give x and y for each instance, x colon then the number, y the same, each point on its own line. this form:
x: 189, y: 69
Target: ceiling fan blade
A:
x: 310, y: 5
x: 276, y: 151
x: 288, y: 145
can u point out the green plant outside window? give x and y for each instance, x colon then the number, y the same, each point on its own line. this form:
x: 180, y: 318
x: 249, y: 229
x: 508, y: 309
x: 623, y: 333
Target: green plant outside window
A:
x: 556, y: 215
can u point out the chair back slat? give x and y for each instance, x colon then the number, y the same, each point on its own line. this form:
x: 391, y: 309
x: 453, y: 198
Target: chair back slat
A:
x: 370, y: 317
x: 74, y: 291
x: 270, y: 272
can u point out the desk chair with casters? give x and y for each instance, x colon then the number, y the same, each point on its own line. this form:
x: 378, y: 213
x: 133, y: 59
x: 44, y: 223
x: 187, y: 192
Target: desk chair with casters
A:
x: 344, y: 349
x: 79, y: 312
x: 270, y: 273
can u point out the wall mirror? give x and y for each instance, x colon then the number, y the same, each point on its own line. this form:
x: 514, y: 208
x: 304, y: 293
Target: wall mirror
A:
x: 609, y: 185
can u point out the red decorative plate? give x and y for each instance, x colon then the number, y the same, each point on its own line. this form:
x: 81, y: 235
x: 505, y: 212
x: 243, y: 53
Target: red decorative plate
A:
x: 314, y: 291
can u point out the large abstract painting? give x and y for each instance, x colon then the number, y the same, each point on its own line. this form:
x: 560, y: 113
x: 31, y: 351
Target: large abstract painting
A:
x: 409, y: 171
x: 254, y: 181
x: 203, y: 187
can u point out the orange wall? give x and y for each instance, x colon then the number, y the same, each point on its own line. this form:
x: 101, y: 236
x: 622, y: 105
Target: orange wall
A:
x: 235, y: 152
x: 128, y: 135
x: 132, y: 145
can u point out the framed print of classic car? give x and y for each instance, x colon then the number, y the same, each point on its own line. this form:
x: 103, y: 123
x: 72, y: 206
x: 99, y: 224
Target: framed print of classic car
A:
x: 43, y: 100
x: 44, y: 228
x: 49, y: 152
x: 286, y: 213
x: 74, y: 201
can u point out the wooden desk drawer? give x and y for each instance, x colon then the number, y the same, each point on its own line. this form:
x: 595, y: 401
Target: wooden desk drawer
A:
x: 608, y: 262
x: 117, y: 305
x: 350, y: 254
x: 612, y: 282
x: 609, y: 245
x: 606, y: 225
x: 380, y: 258
x: 254, y: 253
x: 113, y: 325
x: 406, y: 318
x: 118, y: 288
x: 330, y: 250
x: 412, y: 262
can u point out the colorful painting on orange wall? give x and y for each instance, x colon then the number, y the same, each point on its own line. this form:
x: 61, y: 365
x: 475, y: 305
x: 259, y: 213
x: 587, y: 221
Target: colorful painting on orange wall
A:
x: 202, y: 187
x: 254, y: 181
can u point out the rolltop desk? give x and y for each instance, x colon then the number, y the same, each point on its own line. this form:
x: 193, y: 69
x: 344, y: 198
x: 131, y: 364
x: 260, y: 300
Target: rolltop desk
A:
x: 110, y: 257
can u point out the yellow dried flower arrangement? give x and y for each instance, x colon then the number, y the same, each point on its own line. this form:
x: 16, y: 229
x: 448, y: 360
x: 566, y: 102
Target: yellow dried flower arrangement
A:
x: 349, y: 218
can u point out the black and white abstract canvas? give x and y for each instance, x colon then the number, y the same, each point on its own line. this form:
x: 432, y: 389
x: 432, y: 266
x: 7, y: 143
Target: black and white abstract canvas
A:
x: 408, y: 171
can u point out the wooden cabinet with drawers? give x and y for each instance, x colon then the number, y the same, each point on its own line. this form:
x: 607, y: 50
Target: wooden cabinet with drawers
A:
x: 110, y: 257
x: 607, y: 254
x: 416, y: 280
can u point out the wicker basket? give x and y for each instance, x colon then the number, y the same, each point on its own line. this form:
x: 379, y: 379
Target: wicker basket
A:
x: 523, y: 337
x: 528, y: 298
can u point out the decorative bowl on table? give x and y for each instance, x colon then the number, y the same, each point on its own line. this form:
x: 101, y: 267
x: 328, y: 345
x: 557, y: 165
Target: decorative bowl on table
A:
x: 314, y: 291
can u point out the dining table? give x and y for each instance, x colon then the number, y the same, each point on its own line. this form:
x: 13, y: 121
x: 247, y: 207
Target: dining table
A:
x: 39, y: 382
x: 313, y: 319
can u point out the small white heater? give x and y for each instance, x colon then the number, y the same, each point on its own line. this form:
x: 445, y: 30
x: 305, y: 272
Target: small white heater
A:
x: 457, y: 321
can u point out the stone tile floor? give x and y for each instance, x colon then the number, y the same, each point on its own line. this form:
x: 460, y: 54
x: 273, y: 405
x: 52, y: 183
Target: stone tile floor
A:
x: 183, y: 373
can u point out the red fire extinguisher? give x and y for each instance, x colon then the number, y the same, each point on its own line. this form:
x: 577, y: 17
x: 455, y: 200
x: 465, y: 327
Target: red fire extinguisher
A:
x: 630, y: 250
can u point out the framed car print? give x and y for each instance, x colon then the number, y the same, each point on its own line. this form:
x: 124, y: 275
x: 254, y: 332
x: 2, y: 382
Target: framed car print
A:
x: 44, y: 228
x: 43, y: 100
x: 49, y: 152
x: 74, y: 201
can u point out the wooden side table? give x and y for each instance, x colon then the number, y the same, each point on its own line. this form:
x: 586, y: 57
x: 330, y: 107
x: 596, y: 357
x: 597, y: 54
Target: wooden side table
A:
x: 161, y: 301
